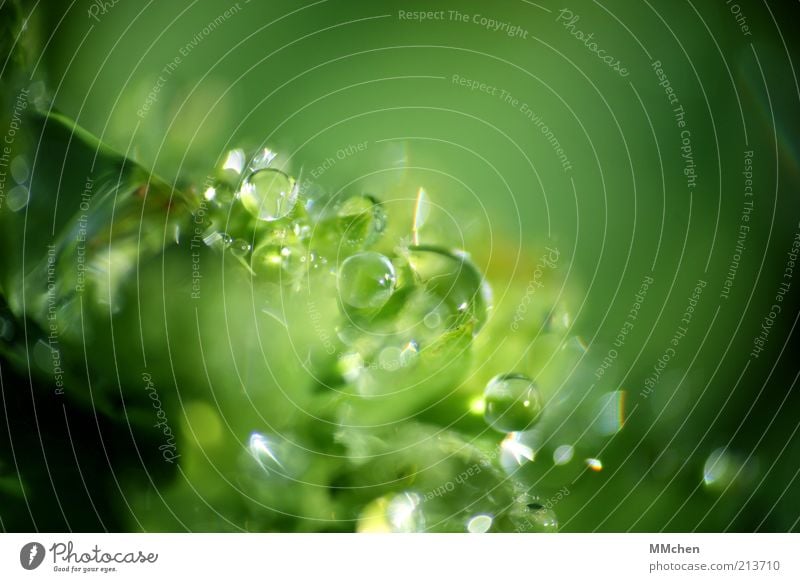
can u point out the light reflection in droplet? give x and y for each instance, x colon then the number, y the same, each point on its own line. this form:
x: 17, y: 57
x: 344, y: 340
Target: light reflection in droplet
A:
x: 514, y: 450
x: 262, y: 450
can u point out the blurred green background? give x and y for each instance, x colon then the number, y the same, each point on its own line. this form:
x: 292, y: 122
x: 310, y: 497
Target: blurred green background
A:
x: 456, y: 105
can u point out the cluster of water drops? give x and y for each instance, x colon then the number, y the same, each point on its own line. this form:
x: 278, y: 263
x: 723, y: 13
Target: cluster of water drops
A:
x: 408, y: 314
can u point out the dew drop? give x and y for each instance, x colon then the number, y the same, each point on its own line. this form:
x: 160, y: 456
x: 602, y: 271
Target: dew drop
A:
x: 721, y: 468
x: 563, y: 454
x: 361, y: 219
x: 480, y: 524
x: 512, y: 403
x: 530, y: 516
x: 366, y: 280
x: 432, y: 320
x: 454, y: 279
x: 268, y: 194
x: 240, y: 247
x: 265, y: 452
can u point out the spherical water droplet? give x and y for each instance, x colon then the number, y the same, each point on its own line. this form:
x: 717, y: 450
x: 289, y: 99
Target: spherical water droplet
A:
x: 563, y: 454
x: 432, y: 320
x: 512, y: 403
x: 454, y: 279
x: 240, y: 247
x: 276, y: 262
x: 366, y: 280
x: 268, y: 194
x: 559, y: 320
x: 361, y: 220
x: 480, y: 524
x: 389, y: 358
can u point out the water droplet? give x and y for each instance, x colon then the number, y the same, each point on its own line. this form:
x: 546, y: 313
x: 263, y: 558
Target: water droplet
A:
x: 594, y: 464
x: 480, y: 524
x: 268, y: 194
x: 531, y: 516
x: 563, y: 454
x: 19, y: 169
x: 17, y: 198
x: 432, y: 320
x: 240, y: 247
x: 454, y: 279
x: 389, y: 358
x: 366, y: 280
x: 276, y: 261
x: 512, y: 402
x: 559, y: 320
x: 361, y: 220
x: 265, y: 452
x: 351, y: 366
x: 720, y: 469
